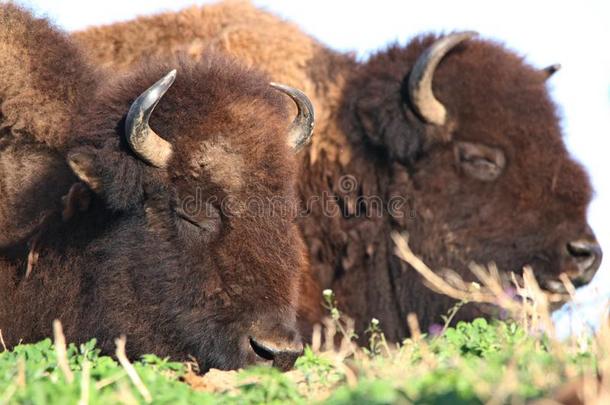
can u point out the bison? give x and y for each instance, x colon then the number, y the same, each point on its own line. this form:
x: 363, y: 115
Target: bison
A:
x: 157, y: 237
x: 40, y: 68
x: 455, y: 135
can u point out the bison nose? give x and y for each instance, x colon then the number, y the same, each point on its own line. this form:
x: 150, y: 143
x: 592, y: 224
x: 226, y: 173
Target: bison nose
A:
x: 283, y: 354
x: 587, y: 256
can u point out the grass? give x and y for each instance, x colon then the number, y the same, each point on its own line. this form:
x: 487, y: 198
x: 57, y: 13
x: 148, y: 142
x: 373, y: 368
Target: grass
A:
x: 478, y: 362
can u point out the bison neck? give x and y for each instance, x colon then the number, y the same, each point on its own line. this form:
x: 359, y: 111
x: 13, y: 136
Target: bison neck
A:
x: 347, y: 227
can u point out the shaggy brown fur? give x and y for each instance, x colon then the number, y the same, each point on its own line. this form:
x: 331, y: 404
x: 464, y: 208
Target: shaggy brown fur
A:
x: 178, y: 259
x: 43, y: 81
x: 497, y: 105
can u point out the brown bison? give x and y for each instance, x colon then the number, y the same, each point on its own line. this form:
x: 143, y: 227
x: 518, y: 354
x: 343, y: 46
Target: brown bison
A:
x: 156, y: 238
x: 40, y: 68
x: 455, y: 135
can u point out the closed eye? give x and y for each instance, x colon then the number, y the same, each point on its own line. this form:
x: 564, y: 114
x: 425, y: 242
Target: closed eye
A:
x: 479, y: 161
x: 205, y: 222
x: 182, y: 215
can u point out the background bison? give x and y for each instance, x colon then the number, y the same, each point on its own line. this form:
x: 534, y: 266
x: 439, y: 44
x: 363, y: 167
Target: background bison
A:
x: 155, y: 254
x: 459, y: 129
x: 40, y: 69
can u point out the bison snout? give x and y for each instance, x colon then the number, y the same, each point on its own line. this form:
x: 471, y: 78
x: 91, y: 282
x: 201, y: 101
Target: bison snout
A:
x: 587, y: 256
x: 283, y: 353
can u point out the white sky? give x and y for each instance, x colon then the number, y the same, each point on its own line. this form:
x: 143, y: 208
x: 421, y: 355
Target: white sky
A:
x: 575, y: 34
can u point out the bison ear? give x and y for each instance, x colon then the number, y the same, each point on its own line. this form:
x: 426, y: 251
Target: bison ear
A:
x: 83, y: 164
x: 105, y: 175
x: 78, y: 199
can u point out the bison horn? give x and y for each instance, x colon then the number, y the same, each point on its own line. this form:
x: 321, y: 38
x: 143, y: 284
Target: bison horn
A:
x: 144, y: 142
x: 551, y: 70
x: 420, y: 80
x: 301, y: 128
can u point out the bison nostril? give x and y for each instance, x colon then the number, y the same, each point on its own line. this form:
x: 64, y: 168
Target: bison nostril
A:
x: 283, y: 355
x: 264, y: 351
x: 587, y: 256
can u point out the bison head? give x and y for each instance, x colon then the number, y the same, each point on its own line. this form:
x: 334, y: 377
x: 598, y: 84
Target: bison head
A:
x: 197, y: 174
x: 471, y: 139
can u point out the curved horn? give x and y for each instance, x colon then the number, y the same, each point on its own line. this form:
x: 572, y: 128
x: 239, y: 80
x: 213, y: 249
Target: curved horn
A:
x: 144, y: 142
x: 420, y: 80
x: 551, y: 70
x: 302, y: 127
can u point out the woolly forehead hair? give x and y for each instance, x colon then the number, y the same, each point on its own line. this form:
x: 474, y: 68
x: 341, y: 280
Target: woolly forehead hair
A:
x: 491, y: 94
x: 214, y: 96
x: 480, y: 74
x: 220, y: 118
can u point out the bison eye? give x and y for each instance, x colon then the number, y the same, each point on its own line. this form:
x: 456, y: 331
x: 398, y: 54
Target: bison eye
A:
x: 205, y: 221
x: 481, y: 162
x: 185, y: 217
